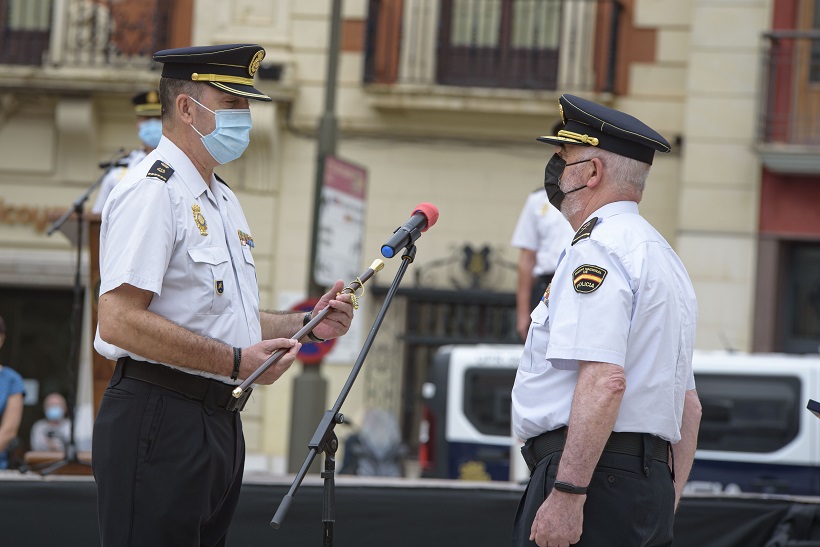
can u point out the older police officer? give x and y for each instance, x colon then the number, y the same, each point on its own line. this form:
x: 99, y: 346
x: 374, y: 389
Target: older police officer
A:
x: 179, y: 311
x: 604, y: 392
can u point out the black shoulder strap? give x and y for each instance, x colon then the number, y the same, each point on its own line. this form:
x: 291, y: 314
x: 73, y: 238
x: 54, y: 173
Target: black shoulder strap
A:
x: 585, y: 231
x: 220, y: 179
x: 160, y: 170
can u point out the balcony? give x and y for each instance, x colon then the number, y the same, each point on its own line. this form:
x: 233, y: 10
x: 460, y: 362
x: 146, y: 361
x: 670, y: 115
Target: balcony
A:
x: 76, y: 43
x: 789, y: 128
x: 426, y: 51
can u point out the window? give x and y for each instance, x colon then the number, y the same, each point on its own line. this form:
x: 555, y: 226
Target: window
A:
x: 499, y: 43
x: 802, y: 298
x: 487, y: 399
x: 748, y: 413
x: 24, y: 31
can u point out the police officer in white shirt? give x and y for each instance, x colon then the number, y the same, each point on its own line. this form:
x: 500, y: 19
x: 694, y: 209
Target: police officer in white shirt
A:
x: 149, y: 130
x: 179, y: 312
x: 604, y: 395
x: 541, y: 234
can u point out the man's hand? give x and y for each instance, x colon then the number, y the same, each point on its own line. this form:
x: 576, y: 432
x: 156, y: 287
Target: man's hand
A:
x: 559, y: 521
x: 253, y: 357
x: 337, y: 322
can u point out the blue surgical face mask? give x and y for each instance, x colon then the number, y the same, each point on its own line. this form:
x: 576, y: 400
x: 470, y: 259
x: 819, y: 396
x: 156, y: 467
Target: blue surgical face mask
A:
x: 54, y: 413
x: 232, y: 133
x: 150, y: 132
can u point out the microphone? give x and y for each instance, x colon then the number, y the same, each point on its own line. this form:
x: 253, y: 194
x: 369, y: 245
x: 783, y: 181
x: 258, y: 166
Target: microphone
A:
x: 115, y: 162
x: 423, y: 218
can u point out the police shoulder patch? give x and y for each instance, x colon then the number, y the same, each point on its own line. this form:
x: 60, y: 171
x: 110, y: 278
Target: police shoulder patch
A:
x: 588, y: 278
x: 585, y: 230
x: 160, y: 170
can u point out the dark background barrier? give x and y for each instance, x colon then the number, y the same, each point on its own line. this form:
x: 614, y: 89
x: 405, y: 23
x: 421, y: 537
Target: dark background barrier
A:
x: 61, y: 511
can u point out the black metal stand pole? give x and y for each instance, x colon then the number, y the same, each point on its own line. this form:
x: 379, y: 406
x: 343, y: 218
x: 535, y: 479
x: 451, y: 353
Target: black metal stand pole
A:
x: 77, y: 207
x: 324, y: 439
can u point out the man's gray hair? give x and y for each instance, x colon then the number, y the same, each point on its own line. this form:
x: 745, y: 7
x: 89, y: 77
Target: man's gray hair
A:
x: 171, y: 88
x: 628, y: 175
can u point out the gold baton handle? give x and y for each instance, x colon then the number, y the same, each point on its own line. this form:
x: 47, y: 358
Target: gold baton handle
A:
x: 354, y: 285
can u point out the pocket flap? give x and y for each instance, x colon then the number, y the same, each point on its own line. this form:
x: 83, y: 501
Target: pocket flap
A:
x: 208, y: 255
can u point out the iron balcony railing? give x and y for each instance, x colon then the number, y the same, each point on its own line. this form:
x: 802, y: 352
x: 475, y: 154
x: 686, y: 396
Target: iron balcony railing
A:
x: 790, y: 98
x: 520, y: 44
x: 87, y: 33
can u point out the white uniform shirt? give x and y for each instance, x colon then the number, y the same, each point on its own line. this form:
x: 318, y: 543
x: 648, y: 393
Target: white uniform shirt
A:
x: 114, y: 176
x: 542, y: 228
x: 202, y: 274
x: 641, y: 316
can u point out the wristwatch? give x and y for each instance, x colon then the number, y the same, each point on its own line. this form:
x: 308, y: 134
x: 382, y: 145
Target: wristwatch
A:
x: 570, y: 488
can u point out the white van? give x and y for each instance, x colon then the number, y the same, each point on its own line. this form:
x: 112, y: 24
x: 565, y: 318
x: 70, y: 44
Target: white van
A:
x: 755, y: 436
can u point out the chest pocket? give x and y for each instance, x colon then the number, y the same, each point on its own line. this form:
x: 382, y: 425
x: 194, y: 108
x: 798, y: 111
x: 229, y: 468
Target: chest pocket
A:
x: 211, y: 280
x: 538, y: 338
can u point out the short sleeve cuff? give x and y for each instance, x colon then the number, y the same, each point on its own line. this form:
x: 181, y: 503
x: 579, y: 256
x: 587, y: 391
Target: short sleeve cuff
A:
x: 567, y: 358
x: 137, y: 281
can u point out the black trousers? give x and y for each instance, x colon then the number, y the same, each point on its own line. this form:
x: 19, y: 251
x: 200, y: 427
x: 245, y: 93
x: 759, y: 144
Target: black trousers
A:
x: 625, y: 507
x: 168, y: 468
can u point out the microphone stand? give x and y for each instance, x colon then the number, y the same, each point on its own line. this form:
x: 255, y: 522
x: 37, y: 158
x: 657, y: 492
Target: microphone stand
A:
x: 70, y: 447
x: 324, y: 438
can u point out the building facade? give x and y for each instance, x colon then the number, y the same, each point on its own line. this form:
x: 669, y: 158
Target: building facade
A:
x: 440, y: 101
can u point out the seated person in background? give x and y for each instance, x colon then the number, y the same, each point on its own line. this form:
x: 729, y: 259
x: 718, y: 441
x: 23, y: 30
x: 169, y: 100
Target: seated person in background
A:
x: 376, y: 450
x: 11, y: 405
x: 52, y: 432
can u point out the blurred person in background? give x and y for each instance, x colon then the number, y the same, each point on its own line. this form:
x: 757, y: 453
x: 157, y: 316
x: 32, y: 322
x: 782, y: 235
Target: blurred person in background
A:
x: 149, y: 130
x: 11, y: 405
x: 541, y: 234
x: 52, y: 432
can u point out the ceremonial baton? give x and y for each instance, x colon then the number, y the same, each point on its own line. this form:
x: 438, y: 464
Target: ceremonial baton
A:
x: 351, y: 289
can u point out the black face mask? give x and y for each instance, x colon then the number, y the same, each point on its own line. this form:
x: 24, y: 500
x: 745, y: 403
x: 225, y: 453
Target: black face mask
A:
x: 552, y: 180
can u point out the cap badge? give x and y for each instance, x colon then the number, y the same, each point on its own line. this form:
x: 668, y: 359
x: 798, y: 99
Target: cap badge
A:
x: 200, y: 220
x: 561, y: 110
x: 587, y: 278
x: 256, y: 61
x: 152, y: 97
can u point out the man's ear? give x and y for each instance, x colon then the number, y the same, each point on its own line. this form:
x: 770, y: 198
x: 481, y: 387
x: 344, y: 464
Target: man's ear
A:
x: 597, y: 172
x: 183, y: 105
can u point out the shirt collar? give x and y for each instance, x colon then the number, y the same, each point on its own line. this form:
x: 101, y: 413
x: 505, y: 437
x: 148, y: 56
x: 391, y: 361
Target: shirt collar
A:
x: 183, y: 166
x: 614, y: 208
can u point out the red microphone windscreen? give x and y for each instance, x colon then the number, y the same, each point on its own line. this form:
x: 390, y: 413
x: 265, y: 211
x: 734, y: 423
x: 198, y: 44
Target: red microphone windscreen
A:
x: 430, y: 211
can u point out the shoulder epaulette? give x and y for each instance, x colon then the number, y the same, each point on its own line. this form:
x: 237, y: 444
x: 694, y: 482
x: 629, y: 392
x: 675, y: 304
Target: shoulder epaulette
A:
x: 160, y: 170
x: 220, y: 179
x: 585, y: 231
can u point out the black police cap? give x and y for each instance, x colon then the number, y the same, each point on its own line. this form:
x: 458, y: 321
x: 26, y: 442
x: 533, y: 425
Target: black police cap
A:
x: 147, y: 104
x: 591, y: 124
x: 229, y: 68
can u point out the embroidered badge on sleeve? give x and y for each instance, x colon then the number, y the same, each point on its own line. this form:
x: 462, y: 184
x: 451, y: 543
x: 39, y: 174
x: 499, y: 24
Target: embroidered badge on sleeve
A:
x: 588, y: 278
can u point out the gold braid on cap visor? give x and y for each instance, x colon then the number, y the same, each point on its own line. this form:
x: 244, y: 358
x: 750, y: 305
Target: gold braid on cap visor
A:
x: 225, y: 79
x: 585, y: 139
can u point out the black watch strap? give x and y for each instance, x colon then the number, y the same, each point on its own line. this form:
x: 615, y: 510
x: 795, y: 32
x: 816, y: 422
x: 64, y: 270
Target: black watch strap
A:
x: 570, y: 488
x: 313, y: 337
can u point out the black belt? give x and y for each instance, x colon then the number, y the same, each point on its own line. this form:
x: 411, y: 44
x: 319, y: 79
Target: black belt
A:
x: 190, y: 385
x: 631, y: 444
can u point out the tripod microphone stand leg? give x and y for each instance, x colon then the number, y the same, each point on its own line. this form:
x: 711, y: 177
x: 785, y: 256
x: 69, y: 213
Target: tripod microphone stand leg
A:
x: 329, y: 490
